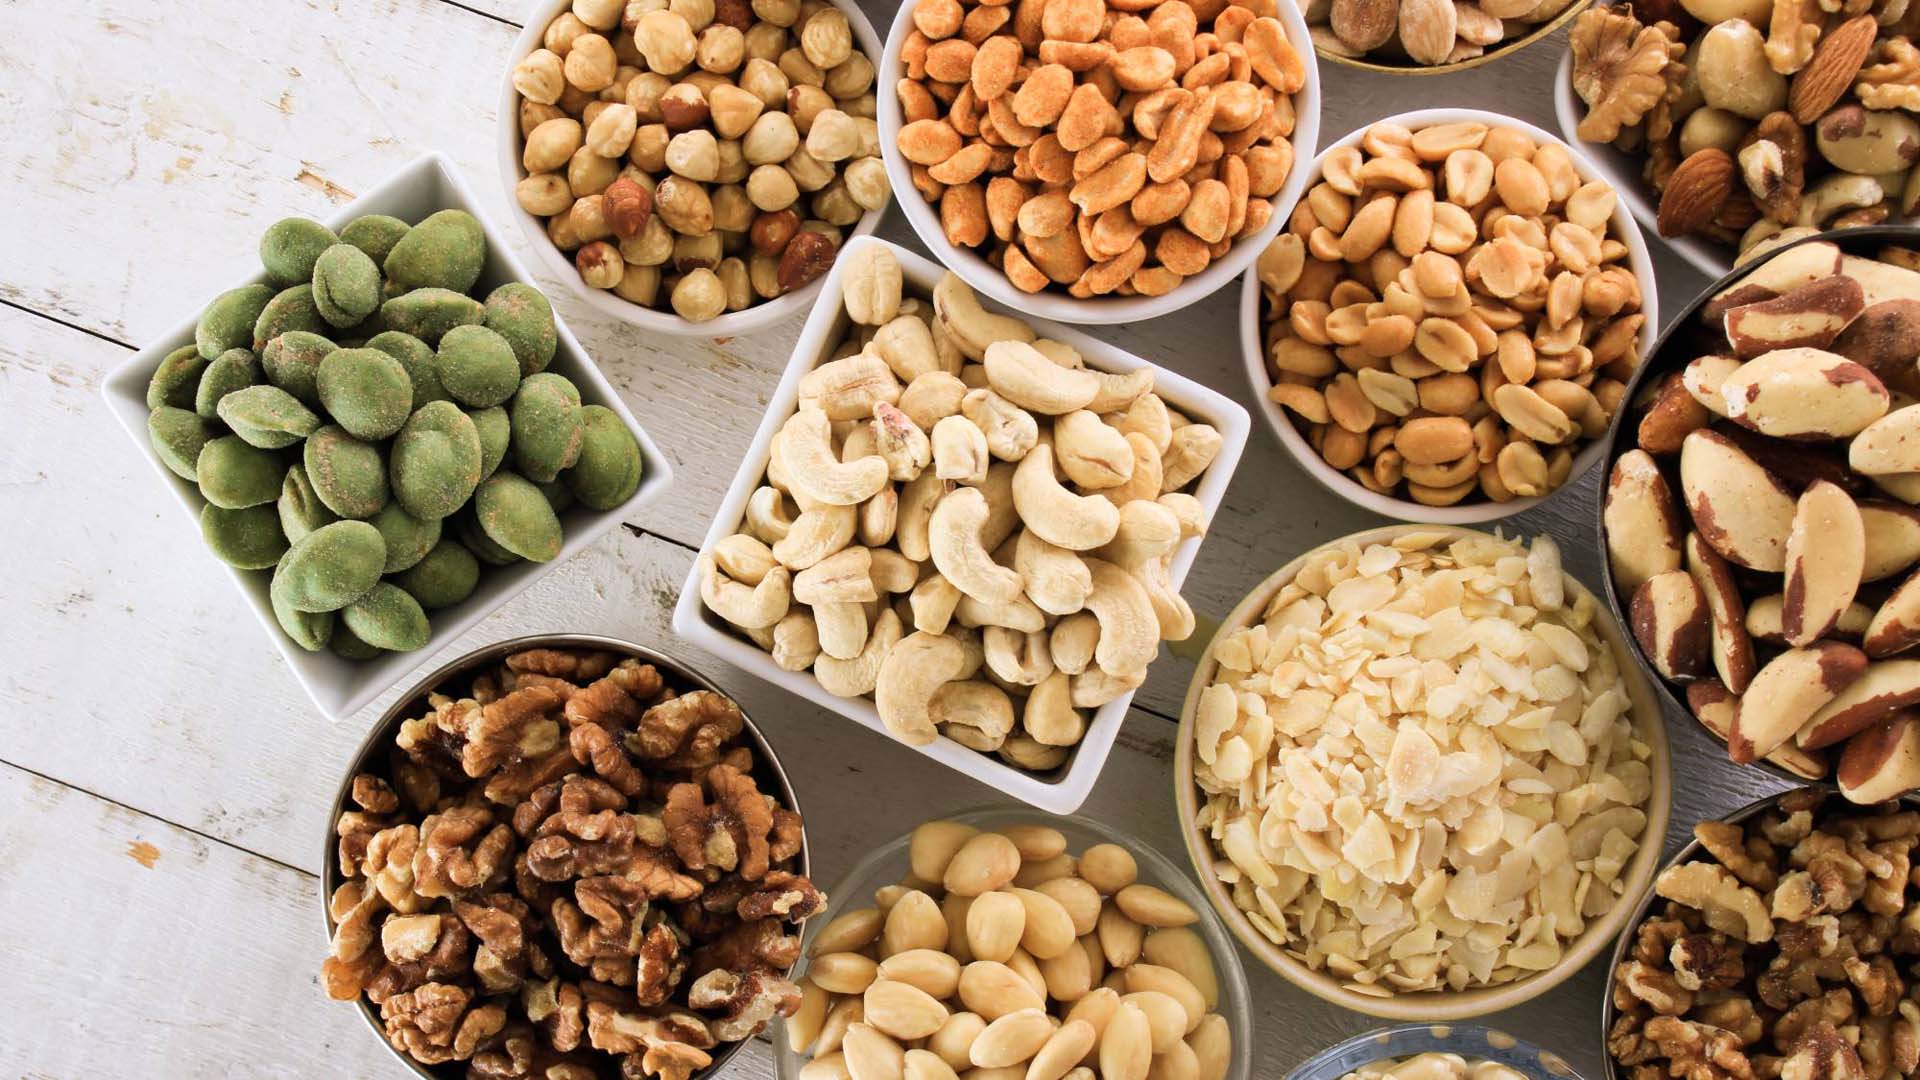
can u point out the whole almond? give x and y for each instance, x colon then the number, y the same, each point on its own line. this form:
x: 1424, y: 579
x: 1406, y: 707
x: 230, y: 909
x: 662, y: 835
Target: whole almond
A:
x: 1836, y: 60
x: 984, y: 863
x: 1695, y: 192
x: 903, y: 1010
x: 1126, y: 1047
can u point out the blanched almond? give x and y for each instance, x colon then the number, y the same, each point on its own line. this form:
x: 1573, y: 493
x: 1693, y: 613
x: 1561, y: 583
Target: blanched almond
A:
x: 1152, y: 977
x: 1642, y: 522
x: 1048, y: 929
x: 849, y: 932
x: 1212, y: 1044
x: 1890, y: 444
x: 1081, y: 901
x: 1180, y: 949
x: 1166, y: 1018
x: 1150, y: 906
x: 1126, y: 1047
x: 1882, y: 762
x: 1108, y: 867
x: 1886, y: 686
x: 1011, y: 1039
x: 931, y: 970
x: 1739, y: 508
x: 995, y: 923
x: 914, y: 922
x: 1062, y: 1051
x: 955, y: 1039
x: 984, y: 863
x: 871, y: 1055
x: 902, y: 1010
x: 1120, y: 937
x: 1826, y: 551
x: 1670, y: 622
x: 993, y: 990
x: 1732, y: 646
x: 1036, y: 842
x: 934, y: 844
x: 843, y: 972
x: 1804, y: 393
x: 1787, y: 692
x: 927, y: 1065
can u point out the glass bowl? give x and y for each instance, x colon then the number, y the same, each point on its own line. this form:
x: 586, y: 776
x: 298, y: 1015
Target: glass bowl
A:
x: 887, y: 865
x: 1470, y: 1041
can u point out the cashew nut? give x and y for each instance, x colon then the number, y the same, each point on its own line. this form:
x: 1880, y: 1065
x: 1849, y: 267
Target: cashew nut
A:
x: 1050, y: 716
x: 1188, y: 511
x: 1056, y: 579
x: 767, y: 516
x: 945, y: 349
x: 846, y: 389
x: 932, y: 603
x: 1143, y: 546
x: 1056, y: 515
x: 960, y: 450
x: 971, y: 327
x: 1015, y: 657
x: 748, y: 607
x: 912, y: 671
x: 1836, y: 194
x: 1129, y: 630
x: 975, y: 714
x: 1059, y: 352
x: 1118, y: 391
x: 1092, y: 454
x: 743, y: 558
x: 1018, y: 613
x: 878, y: 517
x: 855, y: 676
x: 955, y: 543
x: 917, y: 500
x: 1010, y: 430
x: 816, y: 534
x: 1148, y: 416
x: 932, y: 397
x: 1093, y: 687
x: 856, y: 441
x: 842, y: 629
x: 893, y: 572
x: 1073, y: 638
x: 1032, y: 755
x: 796, y: 641
x: 1146, y: 481
x: 759, y: 635
x: 899, y: 442
x: 805, y: 453
x: 1018, y: 372
x: 906, y: 346
x: 1002, y: 515
x: 845, y: 577
x: 1193, y: 449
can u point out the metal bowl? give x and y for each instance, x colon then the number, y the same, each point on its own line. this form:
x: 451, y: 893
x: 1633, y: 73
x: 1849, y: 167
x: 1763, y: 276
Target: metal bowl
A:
x: 768, y: 771
x: 1471, y: 1041
x: 1664, y: 359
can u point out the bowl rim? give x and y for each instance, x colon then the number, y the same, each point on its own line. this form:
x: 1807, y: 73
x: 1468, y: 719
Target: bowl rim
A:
x: 1097, y: 311
x: 384, y: 729
x: 1506, y: 48
x: 1616, y: 445
x: 1547, y: 1065
x: 507, y: 159
x: 1254, y: 353
x: 1433, y: 1005
x: 1709, y: 258
x: 1073, y: 781
x: 1160, y: 869
x: 339, y: 687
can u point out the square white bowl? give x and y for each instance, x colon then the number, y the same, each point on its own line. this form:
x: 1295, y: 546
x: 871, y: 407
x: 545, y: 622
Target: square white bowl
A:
x: 1068, y: 787
x: 340, y: 687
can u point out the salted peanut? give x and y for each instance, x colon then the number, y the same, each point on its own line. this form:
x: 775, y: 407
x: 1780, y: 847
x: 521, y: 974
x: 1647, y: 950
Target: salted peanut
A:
x: 1810, y: 316
x: 1715, y: 707
x: 1732, y: 645
x: 1642, y: 521
x: 1787, y: 692
x: 1826, y: 554
x: 1150, y: 906
x: 1886, y: 686
x: 1670, y: 621
x: 984, y: 863
x: 1882, y: 762
x: 1804, y: 393
x: 1896, y: 623
x: 1739, y: 508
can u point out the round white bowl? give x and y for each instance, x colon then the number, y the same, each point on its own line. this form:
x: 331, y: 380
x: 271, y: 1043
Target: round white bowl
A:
x: 560, y: 264
x: 1253, y: 349
x: 1622, y: 170
x: 1052, y: 303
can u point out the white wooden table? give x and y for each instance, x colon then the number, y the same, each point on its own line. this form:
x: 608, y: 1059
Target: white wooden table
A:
x: 164, y: 784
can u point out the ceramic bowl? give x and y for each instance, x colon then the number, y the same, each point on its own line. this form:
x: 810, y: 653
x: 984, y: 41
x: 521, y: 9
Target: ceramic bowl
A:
x: 1501, y: 49
x: 1426, y: 1005
x: 1471, y: 1041
x: 1253, y: 346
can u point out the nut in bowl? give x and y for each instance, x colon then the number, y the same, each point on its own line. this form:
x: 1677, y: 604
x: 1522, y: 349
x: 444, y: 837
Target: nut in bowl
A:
x: 1434, y: 1052
x: 963, y: 529
x: 1091, y: 162
x: 1417, y: 776
x: 1427, y: 37
x: 571, y: 850
x: 693, y: 168
x: 1445, y: 328
x: 1759, y: 518
x: 1775, y: 943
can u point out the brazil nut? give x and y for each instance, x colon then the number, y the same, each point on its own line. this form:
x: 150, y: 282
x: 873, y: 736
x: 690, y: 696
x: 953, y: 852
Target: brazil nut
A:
x: 1642, y: 521
x: 1739, y: 508
x: 1787, y: 692
x: 1671, y: 623
x: 1826, y: 553
x: 1804, y: 393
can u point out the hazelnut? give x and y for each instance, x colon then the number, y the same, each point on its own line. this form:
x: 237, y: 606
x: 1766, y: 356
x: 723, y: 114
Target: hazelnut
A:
x: 733, y: 110
x: 799, y: 70
x: 769, y: 139
x: 763, y: 272
x: 852, y: 78
x: 699, y: 296
x: 694, y: 155
x: 543, y: 195
x: 550, y: 145
x: 643, y: 93
x: 648, y: 151
x: 599, y: 14
x: 561, y: 32
x: 771, y: 187
x: 735, y: 13
x: 778, y: 12
x: 732, y: 211
x: 626, y: 206
x: 733, y: 162
x: 834, y: 136
x: 533, y: 114
x: 834, y: 206
x: 683, y: 107
x: 807, y: 256
x: 827, y: 38
x: 738, y: 284
x: 651, y: 247
x: 590, y: 64
x: 600, y: 264
x: 694, y: 252
x: 684, y: 206
x: 867, y: 182
x: 560, y: 231
x: 804, y: 103
x: 763, y: 79
x: 771, y: 231
x: 721, y: 49
x: 639, y: 285
x: 611, y: 132
x: 588, y: 218
x: 809, y: 172
x: 666, y: 41
x: 539, y: 77
x: 698, y: 13
x: 588, y: 173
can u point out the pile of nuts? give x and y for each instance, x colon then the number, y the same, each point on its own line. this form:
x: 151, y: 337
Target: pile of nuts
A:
x: 1006, y: 956
x: 979, y: 519
x: 1423, y: 33
x: 1449, y: 314
x: 1434, y: 1066
x: 1420, y: 767
x: 566, y: 869
x: 372, y: 434
x: 1780, y: 587
x: 1759, y: 120
x: 703, y: 155
x: 1787, y: 950
x: 1088, y: 147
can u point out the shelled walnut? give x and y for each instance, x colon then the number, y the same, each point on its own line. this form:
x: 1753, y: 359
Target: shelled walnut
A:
x: 565, y: 863
x: 1786, y: 950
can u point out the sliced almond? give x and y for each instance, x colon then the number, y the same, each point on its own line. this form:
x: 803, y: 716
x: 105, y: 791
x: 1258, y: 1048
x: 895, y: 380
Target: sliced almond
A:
x: 1789, y: 690
x: 1826, y: 550
x: 1642, y: 522
x: 1732, y: 647
x: 1715, y: 707
x: 1886, y: 686
x: 1882, y: 762
x: 1890, y: 444
x: 1669, y: 616
x: 1892, y: 538
x: 1739, y: 508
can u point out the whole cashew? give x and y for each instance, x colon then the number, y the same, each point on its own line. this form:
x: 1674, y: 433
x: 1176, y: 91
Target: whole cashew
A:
x: 743, y: 558
x: 767, y: 516
x: 1018, y: 613
x: 1056, y: 515
x: 842, y: 629
x: 1188, y: 511
x: 796, y: 641
x: 846, y: 389
x: 945, y: 349
x: 1015, y: 657
x: 1059, y: 352
x: 1194, y: 448
x: 1073, y: 640
x: 899, y: 442
x: 893, y: 572
x: 1148, y: 534
x: 1049, y: 715
x: 1093, y: 687
x: 816, y: 534
x: 871, y: 285
x: 845, y: 577
x: 1148, y: 416
x: 932, y: 397
x: 971, y: 327
x: 1147, y: 478
x: 1057, y: 580
x: 960, y: 450
x: 1118, y: 391
x: 917, y: 500
x: 749, y: 607
x: 1032, y: 755
x: 805, y: 455
x: 1836, y: 194
x: 857, y: 441
x: 958, y: 551
x: 974, y: 713
x: 1010, y: 430
x: 1092, y: 454
x: 1129, y: 630
x: 932, y: 603
x: 878, y: 516
x: 855, y: 677
x: 1018, y: 372
x: 912, y: 671
x: 906, y: 346
x: 1002, y: 515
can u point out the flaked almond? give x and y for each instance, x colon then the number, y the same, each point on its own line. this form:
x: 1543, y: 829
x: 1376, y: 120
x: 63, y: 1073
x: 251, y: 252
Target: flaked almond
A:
x: 1826, y: 551
x: 1732, y: 647
x: 1787, y: 692
x: 1836, y: 60
x: 1670, y: 621
x: 1695, y: 192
